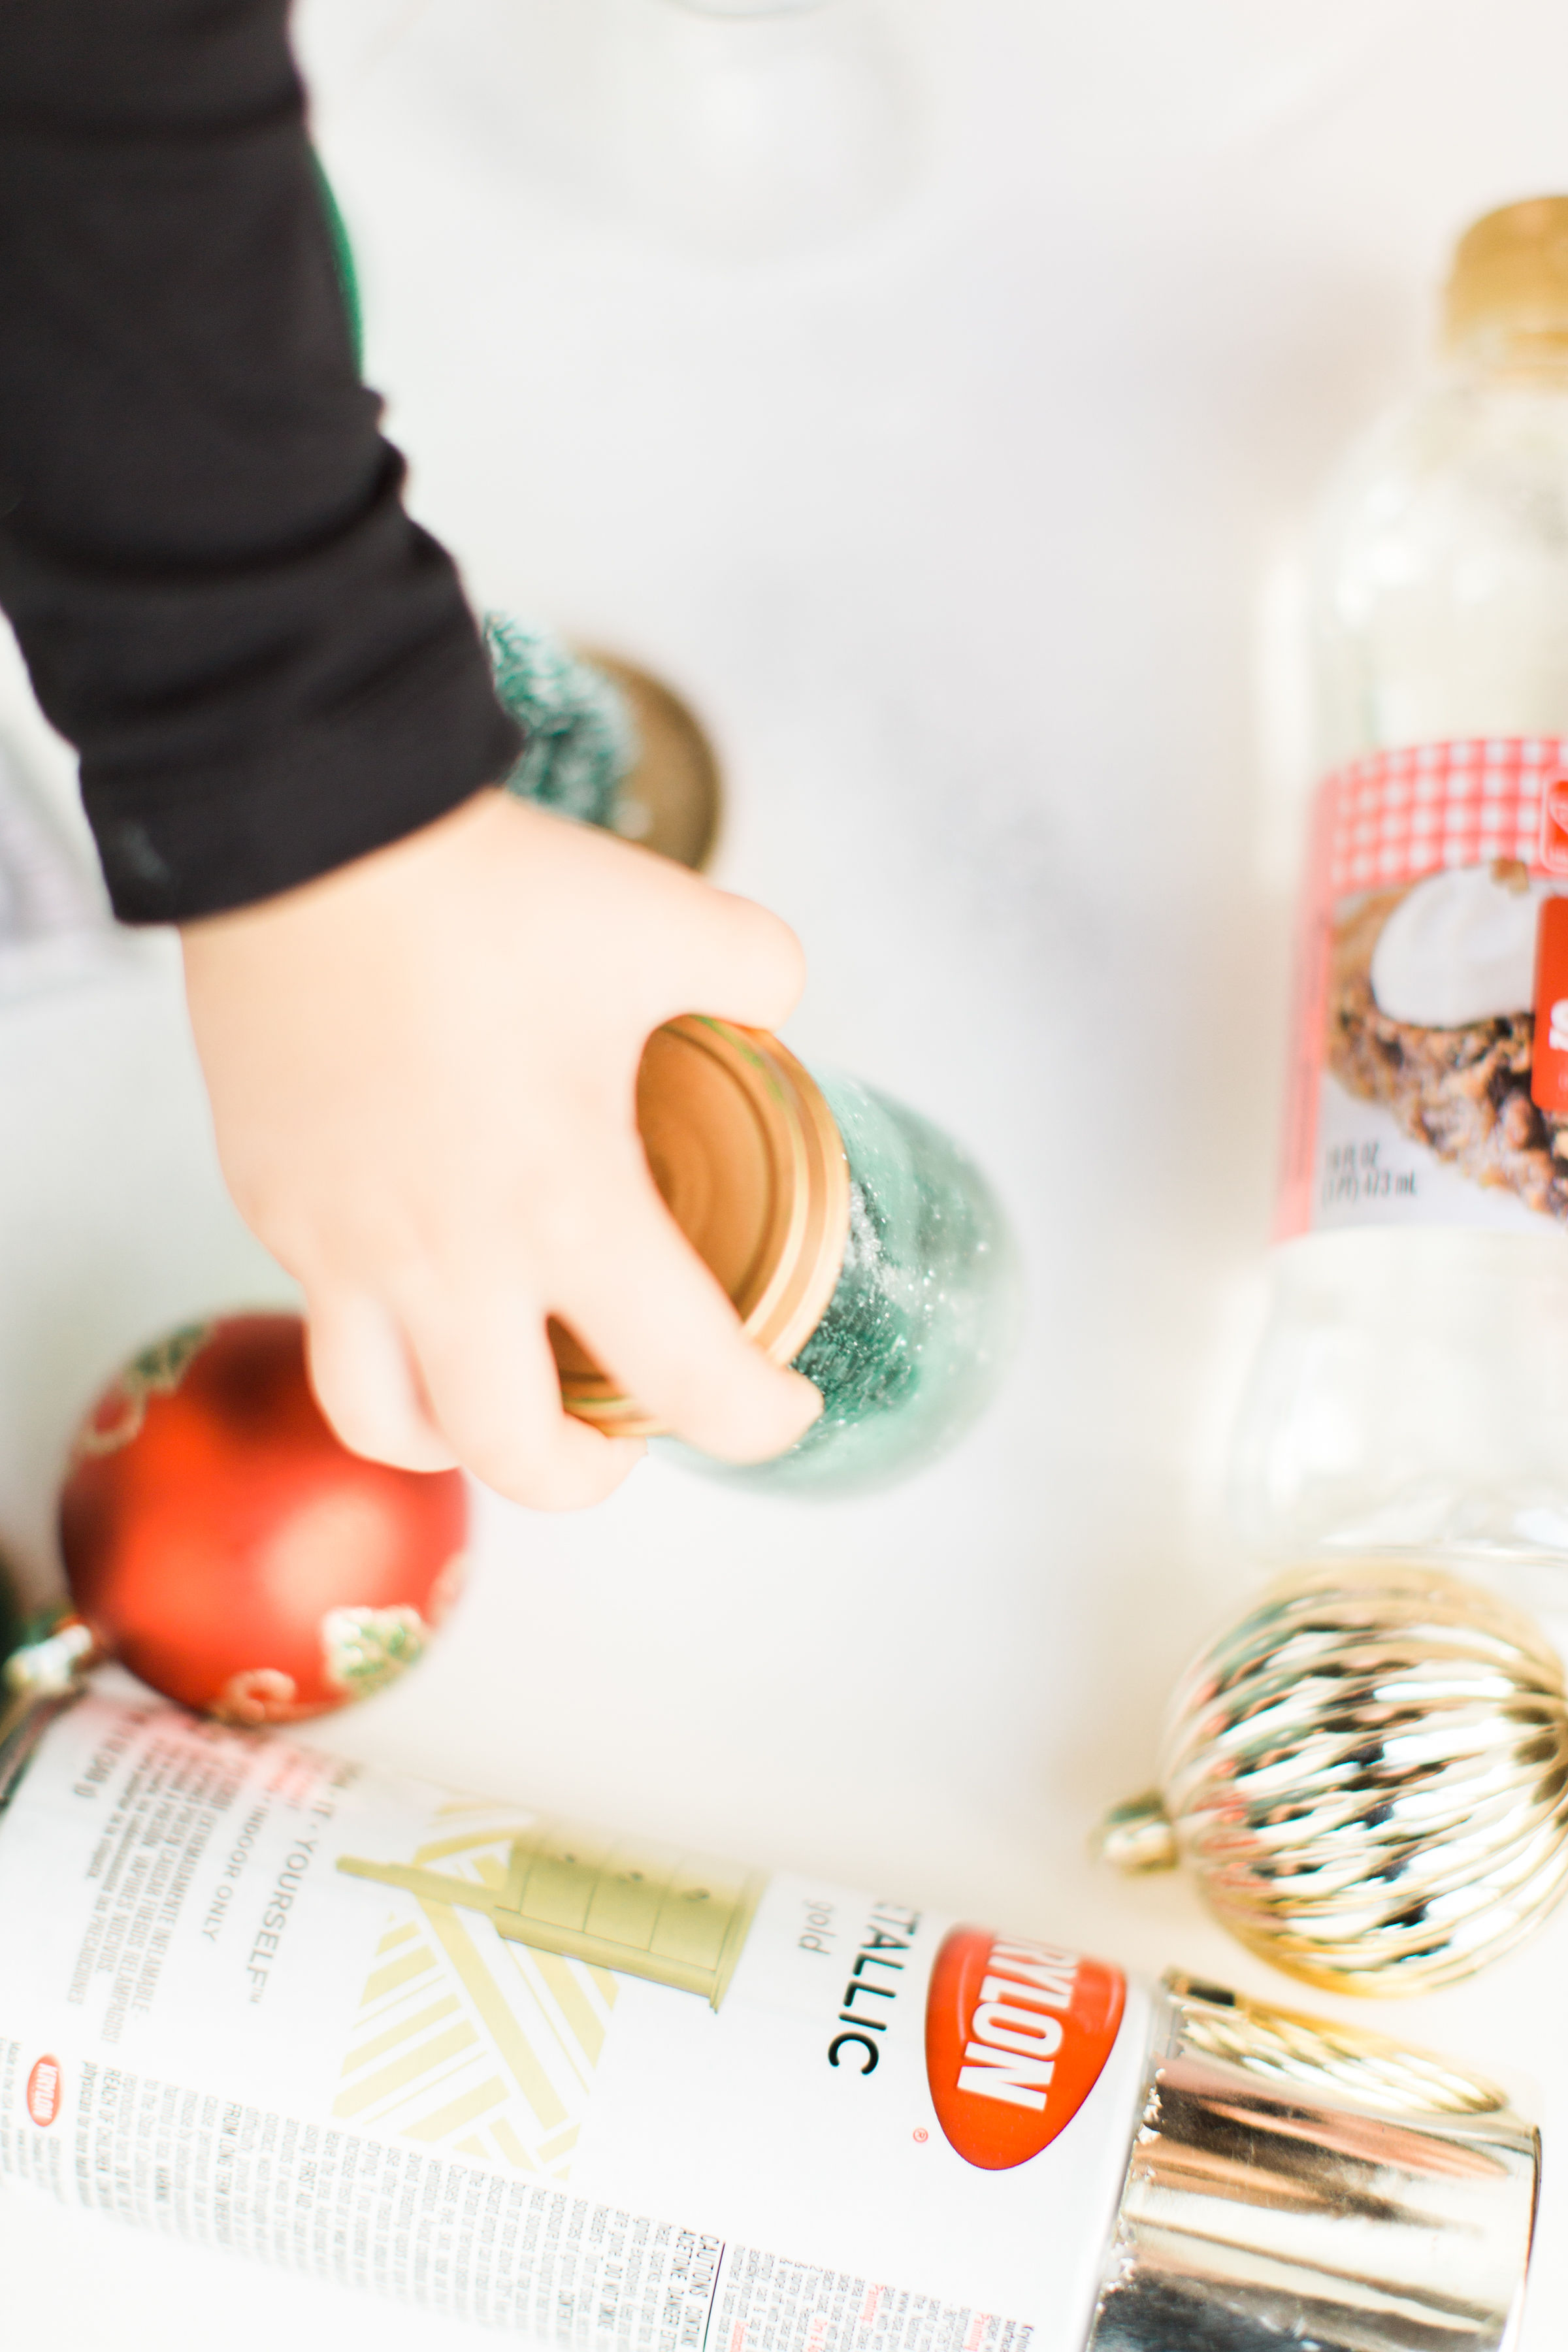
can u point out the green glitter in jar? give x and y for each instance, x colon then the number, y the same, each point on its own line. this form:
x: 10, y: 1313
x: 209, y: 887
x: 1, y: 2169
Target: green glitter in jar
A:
x: 917, y: 1332
x: 581, y: 743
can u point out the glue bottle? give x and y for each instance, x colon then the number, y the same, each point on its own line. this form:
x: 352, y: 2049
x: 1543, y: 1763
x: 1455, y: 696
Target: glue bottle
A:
x: 610, y: 2097
x: 1411, y: 1392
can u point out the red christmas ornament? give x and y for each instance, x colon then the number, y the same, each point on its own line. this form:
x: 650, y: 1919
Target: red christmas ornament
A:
x: 229, y: 1549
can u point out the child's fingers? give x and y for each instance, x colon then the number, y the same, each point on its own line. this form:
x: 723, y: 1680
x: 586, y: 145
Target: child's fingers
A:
x: 495, y: 1394
x: 649, y: 1312
x: 740, y: 962
x: 365, y: 1384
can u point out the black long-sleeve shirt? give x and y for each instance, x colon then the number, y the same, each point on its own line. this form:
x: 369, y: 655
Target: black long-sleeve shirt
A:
x: 266, y: 667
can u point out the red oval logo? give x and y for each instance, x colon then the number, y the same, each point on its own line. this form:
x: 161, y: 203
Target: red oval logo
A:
x: 1016, y: 2036
x: 44, y: 2092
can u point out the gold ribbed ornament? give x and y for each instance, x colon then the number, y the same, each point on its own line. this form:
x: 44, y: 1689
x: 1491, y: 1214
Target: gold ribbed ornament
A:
x: 1368, y: 1773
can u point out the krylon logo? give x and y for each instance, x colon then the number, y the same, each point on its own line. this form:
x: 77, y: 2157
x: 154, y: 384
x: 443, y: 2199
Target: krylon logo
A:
x: 44, y: 2091
x: 1016, y: 2036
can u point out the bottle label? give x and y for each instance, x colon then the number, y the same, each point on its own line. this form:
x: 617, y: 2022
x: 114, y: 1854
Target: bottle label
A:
x: 1429, y: 1083
x: 593, y: 2092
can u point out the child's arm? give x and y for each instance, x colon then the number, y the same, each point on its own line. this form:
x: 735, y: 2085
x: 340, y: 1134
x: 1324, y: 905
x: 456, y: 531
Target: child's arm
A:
x: 419, y: 1006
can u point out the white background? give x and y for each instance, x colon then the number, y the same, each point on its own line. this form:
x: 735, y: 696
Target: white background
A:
x: 959, y: 527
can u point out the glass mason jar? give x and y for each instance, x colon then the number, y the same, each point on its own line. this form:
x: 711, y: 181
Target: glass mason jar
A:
x: 858, y: 1244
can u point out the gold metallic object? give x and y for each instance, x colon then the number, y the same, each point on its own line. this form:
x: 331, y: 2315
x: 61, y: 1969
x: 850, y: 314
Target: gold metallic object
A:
x: 45, y: 1670
x: 648, y: 1911
x: 1511, y: 274
x: 1369, y: 1776
x: 672, y: 800
x: 1138, y: 1836
x: 745, y: 1152
x: 1323, y: 2056
x: 1294, y: 2183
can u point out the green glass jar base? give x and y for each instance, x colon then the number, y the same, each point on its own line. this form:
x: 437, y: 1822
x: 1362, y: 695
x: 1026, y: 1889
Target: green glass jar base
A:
x: 921, y: 1325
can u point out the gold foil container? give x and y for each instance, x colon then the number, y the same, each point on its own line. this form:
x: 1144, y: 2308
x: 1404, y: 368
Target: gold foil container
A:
x: 1368, y: 1776
x: 749, y: 1161
x: 1300, y: 2186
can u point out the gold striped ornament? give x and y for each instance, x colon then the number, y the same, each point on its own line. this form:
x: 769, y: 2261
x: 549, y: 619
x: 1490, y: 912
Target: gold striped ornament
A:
x: 1368, y: 1774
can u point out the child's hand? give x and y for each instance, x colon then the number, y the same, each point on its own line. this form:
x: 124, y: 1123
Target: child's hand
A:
x: 422, y: 1070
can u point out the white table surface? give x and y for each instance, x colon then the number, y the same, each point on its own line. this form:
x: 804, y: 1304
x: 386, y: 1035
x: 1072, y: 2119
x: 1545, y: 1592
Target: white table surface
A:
x: 960, y: 530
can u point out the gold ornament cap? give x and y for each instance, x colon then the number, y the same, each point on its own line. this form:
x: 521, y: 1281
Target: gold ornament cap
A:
x: 750, y: 1162
x: 1511, y: 274
x: 1368, y: 1775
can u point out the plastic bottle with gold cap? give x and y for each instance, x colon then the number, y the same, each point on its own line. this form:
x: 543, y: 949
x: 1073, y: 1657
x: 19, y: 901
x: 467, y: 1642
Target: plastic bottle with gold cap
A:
x: 1411, y: 1392
x: 857, y: 1242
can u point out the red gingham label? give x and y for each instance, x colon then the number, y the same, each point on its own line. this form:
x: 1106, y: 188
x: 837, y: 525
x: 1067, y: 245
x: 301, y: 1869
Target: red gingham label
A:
x: 1398, y: 815
x: 1383, y: 821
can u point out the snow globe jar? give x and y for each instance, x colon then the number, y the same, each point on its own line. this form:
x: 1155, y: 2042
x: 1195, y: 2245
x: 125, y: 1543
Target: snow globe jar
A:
x: 857, y: 1242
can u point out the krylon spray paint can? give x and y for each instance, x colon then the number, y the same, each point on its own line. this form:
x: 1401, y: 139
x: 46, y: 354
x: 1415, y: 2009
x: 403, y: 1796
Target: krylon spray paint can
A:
x: 612, y: 2098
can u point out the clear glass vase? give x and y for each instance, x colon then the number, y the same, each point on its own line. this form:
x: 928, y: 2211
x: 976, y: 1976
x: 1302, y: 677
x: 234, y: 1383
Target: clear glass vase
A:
x: 751, y: 128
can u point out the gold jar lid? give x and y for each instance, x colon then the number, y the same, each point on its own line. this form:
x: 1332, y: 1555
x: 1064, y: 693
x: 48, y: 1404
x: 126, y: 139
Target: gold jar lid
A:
x: 672, y: 799
x: 749, y: 1160
x: 1510, y: 271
